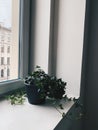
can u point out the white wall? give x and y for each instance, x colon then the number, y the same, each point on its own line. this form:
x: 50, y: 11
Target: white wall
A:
x: 68, y: 36
x: 41, y: 42
x: 70, y: 43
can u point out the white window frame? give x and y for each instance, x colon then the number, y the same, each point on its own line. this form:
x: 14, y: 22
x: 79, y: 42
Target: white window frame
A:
x: 24, y: 49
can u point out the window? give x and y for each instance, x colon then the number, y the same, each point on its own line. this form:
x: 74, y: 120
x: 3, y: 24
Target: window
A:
x: 2, y: 73
x: 9, y: 32
x: 9, y: 39
x: 8, y: 72
x: 2, y: 38
x: 8, y: 61
x: 14, y: 23
x: 2, y: 49
x: 8, y: 49
x: 2, y: 60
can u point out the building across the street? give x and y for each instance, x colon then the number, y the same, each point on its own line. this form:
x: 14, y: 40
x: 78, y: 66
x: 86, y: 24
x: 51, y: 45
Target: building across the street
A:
x: 5, y: 52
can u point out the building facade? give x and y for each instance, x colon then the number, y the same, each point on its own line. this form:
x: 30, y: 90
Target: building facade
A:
x: 5, y: 53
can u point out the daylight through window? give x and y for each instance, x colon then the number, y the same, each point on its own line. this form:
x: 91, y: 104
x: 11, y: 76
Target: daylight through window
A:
x: 9, y: 39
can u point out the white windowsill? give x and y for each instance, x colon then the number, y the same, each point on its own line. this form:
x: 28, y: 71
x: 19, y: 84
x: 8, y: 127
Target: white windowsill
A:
x: 29, y: 117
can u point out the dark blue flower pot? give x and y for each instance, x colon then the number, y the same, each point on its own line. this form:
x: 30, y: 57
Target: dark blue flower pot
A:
x: 33, y: 95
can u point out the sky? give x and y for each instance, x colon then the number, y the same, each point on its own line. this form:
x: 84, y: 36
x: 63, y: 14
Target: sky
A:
x: 5, y: 12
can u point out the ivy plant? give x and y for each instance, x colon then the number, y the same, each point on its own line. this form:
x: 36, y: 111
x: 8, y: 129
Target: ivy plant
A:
x: 17, y: 97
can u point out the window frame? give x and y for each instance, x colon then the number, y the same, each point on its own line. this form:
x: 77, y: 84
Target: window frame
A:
x: 24, y: 14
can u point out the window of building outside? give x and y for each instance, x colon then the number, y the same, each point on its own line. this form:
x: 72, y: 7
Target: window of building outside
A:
x: 2, y: 60
x: 8, y: 61
x: 2, y: 49
x: 2, y: 73
x: 9, y: 38
x: 8, y: 72
x: 2, y: 38
x: 8, y: 49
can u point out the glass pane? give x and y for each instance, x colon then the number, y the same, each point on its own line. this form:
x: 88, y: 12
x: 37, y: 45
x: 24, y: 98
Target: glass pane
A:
x: 9, y: 39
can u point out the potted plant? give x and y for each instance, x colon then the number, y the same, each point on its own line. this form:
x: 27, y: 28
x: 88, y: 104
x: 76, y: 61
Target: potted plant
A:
x: 36, y: 86
x: 40, y: 85
x: 56, y: 88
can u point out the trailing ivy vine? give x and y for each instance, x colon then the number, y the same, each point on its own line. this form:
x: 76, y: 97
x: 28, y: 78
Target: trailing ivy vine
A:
x: 17, y: 98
